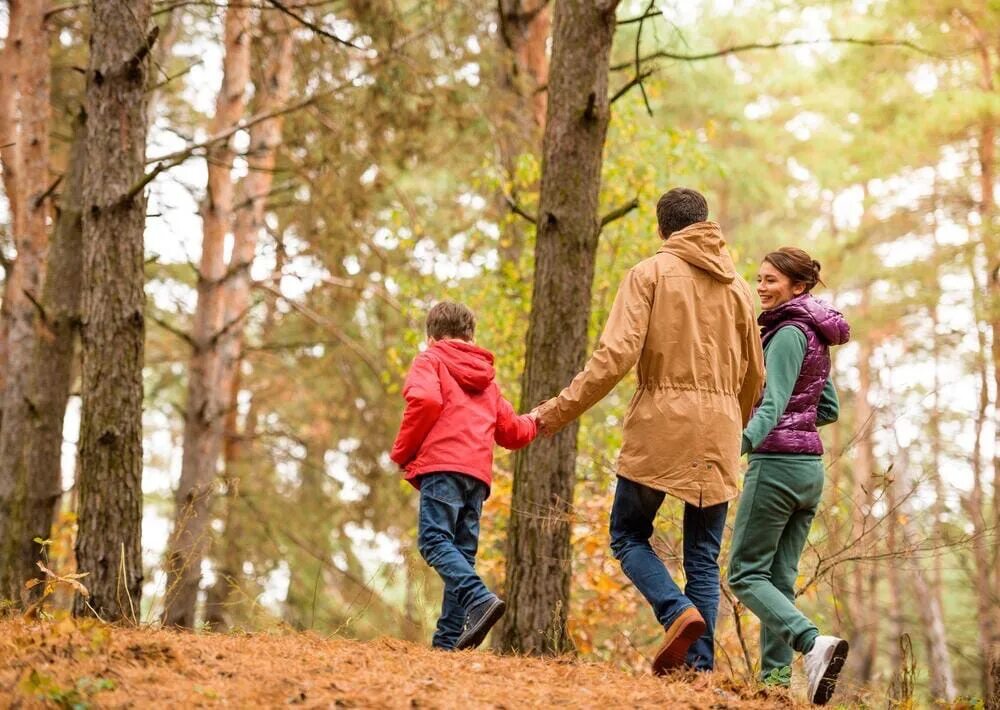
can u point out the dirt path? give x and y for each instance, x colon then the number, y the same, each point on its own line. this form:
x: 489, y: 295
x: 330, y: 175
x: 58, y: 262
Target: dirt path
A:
x: 86, y: 664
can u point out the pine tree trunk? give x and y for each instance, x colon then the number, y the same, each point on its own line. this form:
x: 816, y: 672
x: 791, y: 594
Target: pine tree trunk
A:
x: 10, y: 156
x: 862, y: 662
x: 31, y: 240
x: 207, y: 398
x: 975, y: 508
x: 110, y: 482
x: 538, y: 549
x: 52, y: 365
x: 522, y: 76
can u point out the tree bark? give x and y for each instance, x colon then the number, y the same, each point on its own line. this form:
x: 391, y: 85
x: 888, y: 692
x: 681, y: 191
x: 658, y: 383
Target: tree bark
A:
x: 51, y: 369
x: 862, y: 661
x: 31, y: 241
x: 538, y: 550
x: 10, y: 157
x: 975, y: 508
x: 522, y: 79
x: 108, y: 545
x: 207, y: 398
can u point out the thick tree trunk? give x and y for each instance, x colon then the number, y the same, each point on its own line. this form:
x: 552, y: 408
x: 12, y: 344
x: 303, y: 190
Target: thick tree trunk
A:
x: 538, y: 550
x: 207, y: 398
x: 24, y: 292
x: 110, y: 483
x: 52, y: 364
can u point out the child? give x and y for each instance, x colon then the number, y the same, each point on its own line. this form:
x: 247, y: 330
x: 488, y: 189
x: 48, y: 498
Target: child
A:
x: 454, y: 412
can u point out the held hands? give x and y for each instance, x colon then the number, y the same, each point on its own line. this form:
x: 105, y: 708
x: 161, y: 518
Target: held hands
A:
x: 534, y: 414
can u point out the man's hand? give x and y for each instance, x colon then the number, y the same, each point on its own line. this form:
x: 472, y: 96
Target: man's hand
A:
x: 542, y: 429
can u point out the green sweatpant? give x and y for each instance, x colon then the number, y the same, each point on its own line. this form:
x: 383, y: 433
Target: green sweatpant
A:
x: 777, y: 506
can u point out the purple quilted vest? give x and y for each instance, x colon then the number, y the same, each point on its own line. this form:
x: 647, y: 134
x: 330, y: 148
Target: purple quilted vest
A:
x: 795, y: 432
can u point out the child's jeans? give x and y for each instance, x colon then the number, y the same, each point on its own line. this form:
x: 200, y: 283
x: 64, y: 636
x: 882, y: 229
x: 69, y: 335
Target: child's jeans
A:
x: 448, y: 537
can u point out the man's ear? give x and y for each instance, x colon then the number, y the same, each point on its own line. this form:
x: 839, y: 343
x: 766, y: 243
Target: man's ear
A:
x: 431, y: 340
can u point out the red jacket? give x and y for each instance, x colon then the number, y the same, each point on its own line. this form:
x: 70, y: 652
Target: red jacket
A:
x: 454, y: 412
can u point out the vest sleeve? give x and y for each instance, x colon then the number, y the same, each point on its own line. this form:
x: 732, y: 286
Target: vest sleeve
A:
x: 783, y: 359
x: 829, y: 404
x: 617, y: 352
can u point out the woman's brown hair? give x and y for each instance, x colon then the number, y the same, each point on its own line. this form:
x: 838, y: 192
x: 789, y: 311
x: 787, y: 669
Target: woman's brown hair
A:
x: 797, y: 265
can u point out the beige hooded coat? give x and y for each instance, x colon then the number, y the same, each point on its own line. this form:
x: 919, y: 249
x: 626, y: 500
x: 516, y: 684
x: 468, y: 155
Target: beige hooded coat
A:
x: 688, y: 320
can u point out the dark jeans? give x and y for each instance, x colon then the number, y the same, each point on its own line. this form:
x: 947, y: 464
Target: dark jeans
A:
x: 632, y: 516
x: 448, y: 537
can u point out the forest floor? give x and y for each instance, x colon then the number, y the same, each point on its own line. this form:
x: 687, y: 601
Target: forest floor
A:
x: 87, y: 664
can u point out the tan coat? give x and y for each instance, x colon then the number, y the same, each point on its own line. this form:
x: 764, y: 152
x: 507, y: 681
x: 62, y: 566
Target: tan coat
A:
x: 688, y: 320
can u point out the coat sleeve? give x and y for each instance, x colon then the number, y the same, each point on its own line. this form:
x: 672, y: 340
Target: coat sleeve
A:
x: 785, y: 353
x: 617, y: 352
x: 513, y: 431
x: 422, y: 392
x: 753, y: 374
x: 829, y: 404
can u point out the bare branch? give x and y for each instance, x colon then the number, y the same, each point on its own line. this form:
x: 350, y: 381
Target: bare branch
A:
x: 518, y: 210
x: 313, y: 26
x: 638, y: 79
x: 48, y: 192
x: 619, y: 212
x: 186, y: 337
x: 736, y: 49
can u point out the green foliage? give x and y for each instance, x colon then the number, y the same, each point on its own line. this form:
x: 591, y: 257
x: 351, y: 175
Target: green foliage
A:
x: 75, y: 697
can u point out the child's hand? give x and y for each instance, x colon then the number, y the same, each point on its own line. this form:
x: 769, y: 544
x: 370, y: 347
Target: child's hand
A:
x: 542, y: 429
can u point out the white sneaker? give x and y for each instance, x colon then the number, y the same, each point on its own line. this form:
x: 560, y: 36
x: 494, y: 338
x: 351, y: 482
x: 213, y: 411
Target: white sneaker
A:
x: 823, y: 664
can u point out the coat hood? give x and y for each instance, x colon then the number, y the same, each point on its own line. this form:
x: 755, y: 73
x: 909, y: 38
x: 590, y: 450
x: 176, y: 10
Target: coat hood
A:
x: 702, y: 245
x: 828, y: 322
x: 470, y: 365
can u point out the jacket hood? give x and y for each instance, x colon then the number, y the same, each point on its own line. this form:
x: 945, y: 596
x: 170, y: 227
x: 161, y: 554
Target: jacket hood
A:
x: 828, y: 322
x: 470, y: 365
x: 702, y: 245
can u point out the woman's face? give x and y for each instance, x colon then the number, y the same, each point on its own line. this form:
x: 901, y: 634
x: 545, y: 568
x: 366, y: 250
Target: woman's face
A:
x: 774, y: 288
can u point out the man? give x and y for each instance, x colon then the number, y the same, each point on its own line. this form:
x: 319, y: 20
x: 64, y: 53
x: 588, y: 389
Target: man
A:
x: 688, y: 320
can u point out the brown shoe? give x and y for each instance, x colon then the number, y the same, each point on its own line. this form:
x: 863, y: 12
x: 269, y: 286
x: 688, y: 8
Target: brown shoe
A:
x: 686, y: 629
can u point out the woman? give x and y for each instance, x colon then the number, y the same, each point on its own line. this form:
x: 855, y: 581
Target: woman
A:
x: 784, y: 481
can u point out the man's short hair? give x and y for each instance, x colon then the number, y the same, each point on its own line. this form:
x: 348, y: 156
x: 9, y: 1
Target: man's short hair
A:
x: 679, y: 208
x: 450, y: 320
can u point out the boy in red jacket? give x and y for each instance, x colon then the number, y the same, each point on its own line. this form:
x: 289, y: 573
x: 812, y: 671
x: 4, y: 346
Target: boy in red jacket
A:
x: 454, y: 412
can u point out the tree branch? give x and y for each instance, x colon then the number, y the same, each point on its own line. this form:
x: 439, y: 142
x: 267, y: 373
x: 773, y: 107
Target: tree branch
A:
x: 313, y: 26
x: 186, y: 337
x: 48, y: 192
x: 736, y: 49
x: 638, y: 68
x: 619, y: 212
x: 635, y: 80
x: 518, y: 210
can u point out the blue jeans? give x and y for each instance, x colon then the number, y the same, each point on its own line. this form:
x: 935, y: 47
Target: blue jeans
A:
x: 448, y: 537
x: 632, y: 516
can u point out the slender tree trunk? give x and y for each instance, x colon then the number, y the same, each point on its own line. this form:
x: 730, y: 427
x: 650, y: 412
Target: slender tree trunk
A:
x: 265, y: 137
x: 108, y: 544
x: 10, y: 156
x: 51, y: 369
x: 207, y: 398
x: 538, y: 550
x: 31, y: 240
x: 975, y: 508
x: 861, y: 604
x: 896, y: 614
x: 523, y: 75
